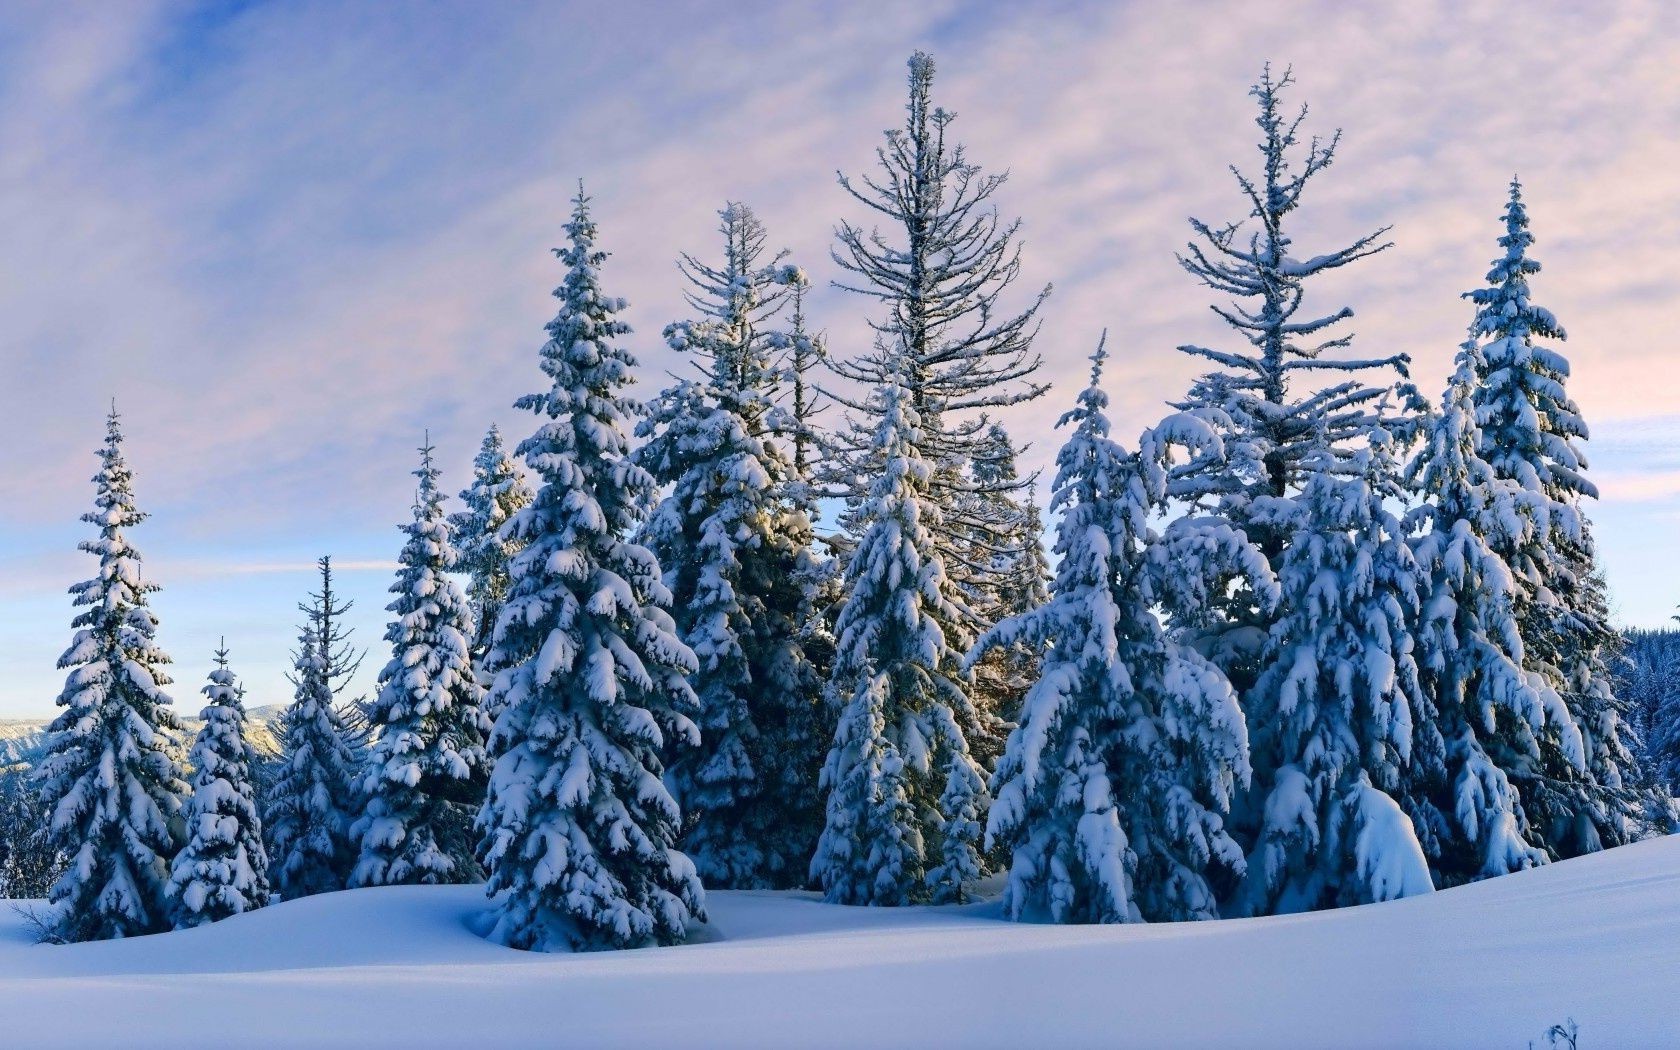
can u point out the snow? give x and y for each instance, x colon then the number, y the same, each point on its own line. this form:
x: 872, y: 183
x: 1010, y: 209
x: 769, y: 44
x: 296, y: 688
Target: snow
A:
x: 1490, y: 964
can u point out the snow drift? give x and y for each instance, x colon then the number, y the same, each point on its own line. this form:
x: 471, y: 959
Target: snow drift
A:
x: 1493, y: 964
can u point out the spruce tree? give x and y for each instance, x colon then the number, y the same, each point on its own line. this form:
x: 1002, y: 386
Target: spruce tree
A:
x: 1333, y: 712
x: 906, y: 798
x: 223, y: 868
x: 1004, y: 542
x: 1491, y: 715
x: 1664, y: 742
x: 579, y: 832
x: 424, y: 776
x: 1530, y: 431
x: 1276, y: 421
x: 108, y: 781
x: 312, y: 800
x: 497, y: 492
x: 735, y: 548
x: 940, y: 272
x: 1112, y: 793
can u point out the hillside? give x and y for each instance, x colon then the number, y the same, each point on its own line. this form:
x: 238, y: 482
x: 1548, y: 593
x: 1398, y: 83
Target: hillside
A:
x: 1489, y: 965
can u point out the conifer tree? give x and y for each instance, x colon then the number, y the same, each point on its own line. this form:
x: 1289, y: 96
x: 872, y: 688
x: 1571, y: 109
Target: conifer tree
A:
x: 223, y: 868
x: 1333, y: 712
x: 1112, y: 792
x: 906, y: 798
x: 1664, y: 743
x: 736, y: 552
x: 940, y: 272
x: 579, y: 831
x: 1278, y: 423
x: 312, y: 800
x: 425, y: 771
x: 1530, y: 431
x: 1489, y: 714
x: 108, y: 780
x: 804, y: 352
x: 497, y: 492
x: 1004, y: 545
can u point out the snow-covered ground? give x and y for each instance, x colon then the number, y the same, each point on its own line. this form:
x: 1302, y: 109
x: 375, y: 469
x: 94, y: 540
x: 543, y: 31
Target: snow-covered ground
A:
x: 1492, y: 965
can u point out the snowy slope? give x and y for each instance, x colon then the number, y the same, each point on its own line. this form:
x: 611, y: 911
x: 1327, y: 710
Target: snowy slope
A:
x: 1488, y: 965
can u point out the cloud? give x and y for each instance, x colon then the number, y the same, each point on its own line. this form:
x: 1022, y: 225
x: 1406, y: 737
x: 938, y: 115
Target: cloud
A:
x: 290, y: 238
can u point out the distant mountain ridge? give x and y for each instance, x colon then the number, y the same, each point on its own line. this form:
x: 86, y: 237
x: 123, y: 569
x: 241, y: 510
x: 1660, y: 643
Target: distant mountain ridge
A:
x: 22, y: 739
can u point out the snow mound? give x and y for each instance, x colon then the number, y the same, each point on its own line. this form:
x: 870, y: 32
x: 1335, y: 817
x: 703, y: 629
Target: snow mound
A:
x: 1494, y: 964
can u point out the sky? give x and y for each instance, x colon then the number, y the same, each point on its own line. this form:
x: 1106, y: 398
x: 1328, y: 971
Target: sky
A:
x: 292, y: 238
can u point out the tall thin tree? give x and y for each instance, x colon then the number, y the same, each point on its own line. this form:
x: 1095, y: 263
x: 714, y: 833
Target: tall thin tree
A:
x: 579, y: 830
x: 424, y: 776
x: 113, y: 791
x: 736, y: 550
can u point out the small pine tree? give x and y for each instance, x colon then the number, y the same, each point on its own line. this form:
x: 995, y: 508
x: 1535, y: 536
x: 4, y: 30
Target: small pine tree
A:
x: 497, y: 492
x: 424, y: 777
x: 223, y: 868
x: 906, y: 798
x: 1529, y: 434
x: 1332, y: 714
x: 735, y: 547
x: 108, y: 779
x: 1112, y: 792
x: 579, y: 831
x: 312, y: 799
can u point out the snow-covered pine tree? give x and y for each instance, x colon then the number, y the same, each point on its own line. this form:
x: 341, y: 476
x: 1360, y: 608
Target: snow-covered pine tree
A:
x: 1664, y: 742
x: 906, y: 798
x: 223, y: 868
x: 112, y: 789
x: 940, y: 275
x: 1529, y: 434
x: 1276, y: 430
x: 579, y: 831
x: 312, y: 800
x: 1004, y: 541
x: 423, y: 779
x: 497, y: 492
x: 1490, y: 714
x: 338, y: 656
x: 736, y: 550
x: 1112, y: 792
x: 805, y: 350
x: 1332, y: 714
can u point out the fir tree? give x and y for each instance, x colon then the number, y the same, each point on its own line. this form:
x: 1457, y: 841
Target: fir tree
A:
x: 312, y: 799
x: 425, y: 772
x: 1529, y: 434
x: 497, y: 492
x: 1333, y: 712
x: 1112, y: 792
x: 804, y: 351
x: 1004, y: 543
x: 223, y: 868
x: 940, y: 273
x: 1275, y: 429
x: 1490, y: 715
x: 906, y: 798
x: 108, y: 780
x: 736, y: 552
x: 1664, y: 742
x: 579, y: 830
